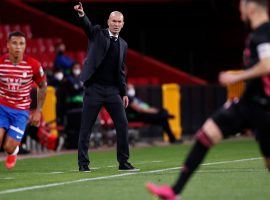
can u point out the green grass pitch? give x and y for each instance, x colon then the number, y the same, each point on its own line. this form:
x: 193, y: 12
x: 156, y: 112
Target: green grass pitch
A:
x: 232, y: 170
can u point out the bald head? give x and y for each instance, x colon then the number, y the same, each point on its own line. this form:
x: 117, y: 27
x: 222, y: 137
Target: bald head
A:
x: 262, y: 3
x: 116, y: 22
x: 116, y: 13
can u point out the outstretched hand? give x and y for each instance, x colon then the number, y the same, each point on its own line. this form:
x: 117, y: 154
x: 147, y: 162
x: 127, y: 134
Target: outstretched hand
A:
x: 227, y: 78
x: 79, y: 8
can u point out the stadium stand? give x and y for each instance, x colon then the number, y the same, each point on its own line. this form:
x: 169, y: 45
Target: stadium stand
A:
x: 139, y: 65
x: 142, y: 70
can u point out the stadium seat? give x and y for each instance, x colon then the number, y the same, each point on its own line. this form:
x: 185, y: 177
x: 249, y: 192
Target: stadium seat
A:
x: 143, y: 81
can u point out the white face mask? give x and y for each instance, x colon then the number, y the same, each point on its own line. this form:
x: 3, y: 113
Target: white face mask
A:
x: 131, y: 92
x: 76, y: 72
x: 59, y: 76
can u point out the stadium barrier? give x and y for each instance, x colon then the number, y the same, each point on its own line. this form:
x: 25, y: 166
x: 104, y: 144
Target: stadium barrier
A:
x: 171, y: 101
x: 235, y: 90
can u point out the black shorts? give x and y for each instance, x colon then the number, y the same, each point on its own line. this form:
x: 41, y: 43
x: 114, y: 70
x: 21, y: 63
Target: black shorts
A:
x: 238, y: 116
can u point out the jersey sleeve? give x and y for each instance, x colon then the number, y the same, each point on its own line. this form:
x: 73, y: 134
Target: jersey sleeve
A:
x: 263, y: 45
x: 38, y: 72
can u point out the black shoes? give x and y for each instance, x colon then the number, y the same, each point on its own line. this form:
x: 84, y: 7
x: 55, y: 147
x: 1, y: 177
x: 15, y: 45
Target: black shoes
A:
x: 127, y: 167
x: 124, y: 167
x: 84, y: 168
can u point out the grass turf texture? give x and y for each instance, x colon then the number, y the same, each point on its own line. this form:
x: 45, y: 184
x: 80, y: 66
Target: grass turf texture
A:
x: 246, y: 179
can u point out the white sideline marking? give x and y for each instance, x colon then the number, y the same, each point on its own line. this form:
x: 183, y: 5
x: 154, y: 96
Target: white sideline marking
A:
x: 115, y: 166
x: 76, y: 170
x: 115, y: 176
x: 138, y: 163
x: 232, y: 161
x: 6, y: 178
x: 54, y: 173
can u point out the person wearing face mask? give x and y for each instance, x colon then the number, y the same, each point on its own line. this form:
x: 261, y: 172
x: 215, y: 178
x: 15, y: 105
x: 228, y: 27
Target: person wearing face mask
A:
x: 74, y: 87
x: 69, y: 93
x: 63, y: 61
x: 59, y: 76
x: 140, y: 111
x: 56, y: 78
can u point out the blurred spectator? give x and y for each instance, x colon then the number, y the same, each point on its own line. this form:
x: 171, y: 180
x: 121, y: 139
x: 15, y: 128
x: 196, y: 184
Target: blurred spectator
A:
x: 140, y: 111
x: 70, y: 93
x: 63, y: 61
x: 55, y: 79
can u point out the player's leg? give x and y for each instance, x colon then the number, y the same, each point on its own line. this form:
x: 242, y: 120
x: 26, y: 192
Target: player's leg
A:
x: 15, y: 132
x: 2, y: 134
x: 11, y: 146
x: 206, y: 137
x: 209, y: 135
x: 265, y: 150
x: 224, y: 121
x: 264, y: 143
x: 261, y: 121
x: 4, y: 123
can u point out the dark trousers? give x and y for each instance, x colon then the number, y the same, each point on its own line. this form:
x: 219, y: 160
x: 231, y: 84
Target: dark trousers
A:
x: 161, y: 118
x: 95, y: 97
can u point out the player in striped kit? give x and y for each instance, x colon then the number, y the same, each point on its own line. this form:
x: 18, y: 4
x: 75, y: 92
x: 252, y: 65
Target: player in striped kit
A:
x: 17, y: 75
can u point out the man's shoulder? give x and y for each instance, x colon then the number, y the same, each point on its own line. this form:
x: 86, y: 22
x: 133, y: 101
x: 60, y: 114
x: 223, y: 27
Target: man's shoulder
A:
x: 262, y: 34
x: 3, y: 58
x: 98, y: 27
x: 123, y: 41
x: 97, y: 30
x: 32, y: 61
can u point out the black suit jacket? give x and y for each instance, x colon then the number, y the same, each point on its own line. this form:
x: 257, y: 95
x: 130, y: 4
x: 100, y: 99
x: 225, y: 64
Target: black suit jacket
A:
x: 98, y: 45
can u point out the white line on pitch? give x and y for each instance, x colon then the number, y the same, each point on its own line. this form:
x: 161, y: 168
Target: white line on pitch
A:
x: 114, y: 176
x: 139, y: 163
x: 112, y: 166
x: 6, y: 178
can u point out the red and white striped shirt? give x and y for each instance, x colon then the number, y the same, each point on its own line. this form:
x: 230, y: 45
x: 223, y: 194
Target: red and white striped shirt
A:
x: 16, y: 81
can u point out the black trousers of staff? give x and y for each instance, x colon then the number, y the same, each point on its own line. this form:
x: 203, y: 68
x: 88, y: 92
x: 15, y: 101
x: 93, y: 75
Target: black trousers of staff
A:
x: 95, y: 97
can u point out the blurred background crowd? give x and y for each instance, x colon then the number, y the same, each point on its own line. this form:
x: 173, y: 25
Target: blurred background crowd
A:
x: 176, y: 49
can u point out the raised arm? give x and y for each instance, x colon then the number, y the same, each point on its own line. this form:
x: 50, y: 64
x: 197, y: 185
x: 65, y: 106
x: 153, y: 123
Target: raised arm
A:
x: 86, y: 24
x: 79, y: 9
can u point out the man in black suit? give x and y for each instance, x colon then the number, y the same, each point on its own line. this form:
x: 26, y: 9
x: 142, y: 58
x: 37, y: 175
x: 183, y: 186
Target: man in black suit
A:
x: 104, y: 79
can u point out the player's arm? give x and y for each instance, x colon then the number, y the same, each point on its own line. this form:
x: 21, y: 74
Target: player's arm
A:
x: 41, y: 95
x: 260, y: 69
x: 86, y: 24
